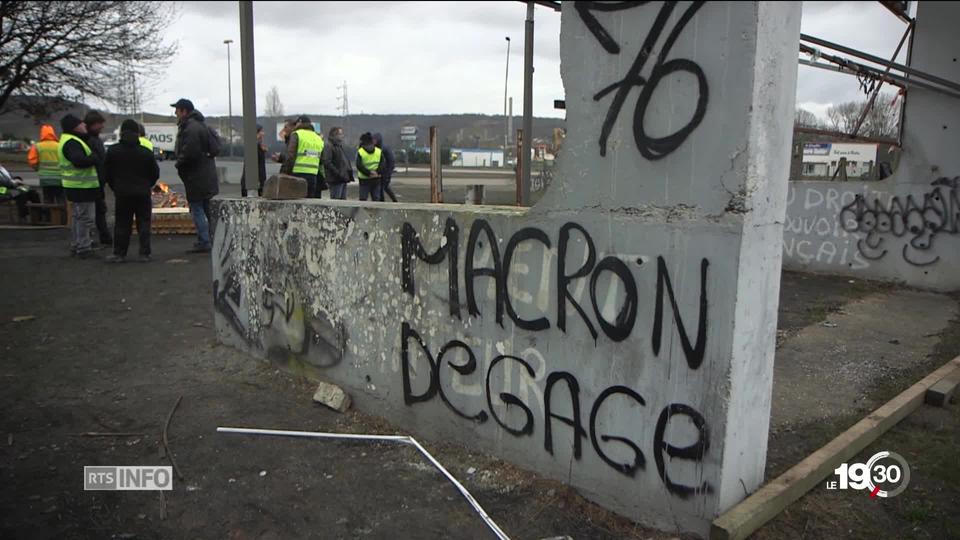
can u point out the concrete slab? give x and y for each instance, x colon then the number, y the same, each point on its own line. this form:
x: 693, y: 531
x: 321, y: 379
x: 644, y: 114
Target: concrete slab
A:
x: 827, y: 370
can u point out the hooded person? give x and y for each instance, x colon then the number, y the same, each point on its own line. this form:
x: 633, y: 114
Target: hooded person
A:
x: 81, y: 185
x: 369, y: 164
x: 196, y: 149
x: 336, y: 166
x: 303, y: 156
x: 13, y: 189
x: 95, y: 123
x: 42, y: 157
x: 131, y: 172
x: 388, y: 165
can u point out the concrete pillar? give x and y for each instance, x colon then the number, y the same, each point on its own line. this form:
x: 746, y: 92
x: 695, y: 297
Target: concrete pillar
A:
x: 618, y: 335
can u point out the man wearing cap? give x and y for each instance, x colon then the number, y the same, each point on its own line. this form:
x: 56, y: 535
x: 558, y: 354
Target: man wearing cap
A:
x: 303, y: 156
x: 261, y: 165
x: 78, y: 176
x: 195, y: 148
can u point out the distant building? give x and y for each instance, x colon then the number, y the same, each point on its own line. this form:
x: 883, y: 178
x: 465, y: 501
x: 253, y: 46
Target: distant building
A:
x: 822, y: 159
x: 476, y: 157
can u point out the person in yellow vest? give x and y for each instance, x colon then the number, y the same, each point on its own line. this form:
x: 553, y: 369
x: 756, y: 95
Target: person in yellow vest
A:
x: 370, y: 162
x: 144, y: 141
x: 78, y: 176
x: 303, y: 156
x: 43, y: 159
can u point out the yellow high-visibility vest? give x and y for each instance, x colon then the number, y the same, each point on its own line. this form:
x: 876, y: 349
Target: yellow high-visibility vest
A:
x: 309, y: 147
x: 370, y: 160
x: 49, y: 168
x: 71, y: 176
x: 145, y: 142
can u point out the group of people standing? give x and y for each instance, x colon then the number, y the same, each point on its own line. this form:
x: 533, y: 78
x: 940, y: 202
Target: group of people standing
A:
x: 75, y: 167
x: 324, y: 165
x: 84, y: 168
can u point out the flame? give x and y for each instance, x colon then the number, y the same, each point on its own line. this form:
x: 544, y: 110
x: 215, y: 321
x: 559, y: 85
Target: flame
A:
x: 164, y: 188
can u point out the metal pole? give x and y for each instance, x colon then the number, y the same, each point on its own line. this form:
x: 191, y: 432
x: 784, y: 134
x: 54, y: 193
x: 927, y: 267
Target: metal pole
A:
x: 506, y: 123
x: 249, y: 92
x: 436, y: 164
x: 521, y: 162
x: 506, y: 152
x: 527, y: 104
x: 227, y: 42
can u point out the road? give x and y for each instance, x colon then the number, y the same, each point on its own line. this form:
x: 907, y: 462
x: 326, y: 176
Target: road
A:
x: 411, y: 185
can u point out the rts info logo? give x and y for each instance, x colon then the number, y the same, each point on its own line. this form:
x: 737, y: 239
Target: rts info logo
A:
x: 886, y: 474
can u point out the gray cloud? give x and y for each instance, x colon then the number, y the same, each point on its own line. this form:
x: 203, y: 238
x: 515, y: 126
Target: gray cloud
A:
x: 430, y: 57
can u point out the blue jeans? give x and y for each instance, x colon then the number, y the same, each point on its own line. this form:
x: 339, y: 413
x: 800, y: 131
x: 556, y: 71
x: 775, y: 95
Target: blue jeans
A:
x: 371, y: 188
x: 200, y: 210
x: 338, y: 191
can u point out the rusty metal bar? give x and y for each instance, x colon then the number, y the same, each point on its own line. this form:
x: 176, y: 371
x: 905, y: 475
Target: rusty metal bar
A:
x: 519, y: 167
x: 876, y: 91
x: 436, y: 168
x: 853, y: 68
x: 877, y: 60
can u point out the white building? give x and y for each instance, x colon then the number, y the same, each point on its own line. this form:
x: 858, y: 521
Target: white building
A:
x: 476, y: 157
x: 822, y: 159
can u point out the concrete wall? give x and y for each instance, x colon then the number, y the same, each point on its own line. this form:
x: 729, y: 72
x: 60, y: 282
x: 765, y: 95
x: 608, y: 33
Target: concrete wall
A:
x: 904, y: 228
x: 619, y: 335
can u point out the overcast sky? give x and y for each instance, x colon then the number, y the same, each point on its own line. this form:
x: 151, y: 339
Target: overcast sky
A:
x: 431, y: 57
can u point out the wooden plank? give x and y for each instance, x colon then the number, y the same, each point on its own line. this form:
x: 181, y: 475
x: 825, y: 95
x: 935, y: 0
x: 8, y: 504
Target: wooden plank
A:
x: 940, y: 393
x: 759, y: 508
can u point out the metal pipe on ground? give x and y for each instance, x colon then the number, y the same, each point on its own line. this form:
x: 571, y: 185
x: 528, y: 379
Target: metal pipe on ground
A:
x: 402, y: 439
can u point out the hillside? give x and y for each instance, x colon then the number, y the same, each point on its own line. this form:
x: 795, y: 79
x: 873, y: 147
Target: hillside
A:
x: 463, y: 130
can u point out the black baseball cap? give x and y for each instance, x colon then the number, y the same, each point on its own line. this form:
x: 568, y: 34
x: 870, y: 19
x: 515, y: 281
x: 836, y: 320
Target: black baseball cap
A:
x: 183, y: 104
x: 304, y: 119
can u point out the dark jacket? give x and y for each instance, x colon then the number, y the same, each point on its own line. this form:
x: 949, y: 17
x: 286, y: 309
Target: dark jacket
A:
x: 389, y: 163
x: 130, y: 169
x: 74, y: 153
x: 97, y: 147
x: 336, y: 165
x: 197, y: 168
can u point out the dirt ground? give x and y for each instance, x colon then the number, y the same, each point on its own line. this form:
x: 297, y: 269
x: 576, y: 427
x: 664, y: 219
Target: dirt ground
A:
x: 111, y: 348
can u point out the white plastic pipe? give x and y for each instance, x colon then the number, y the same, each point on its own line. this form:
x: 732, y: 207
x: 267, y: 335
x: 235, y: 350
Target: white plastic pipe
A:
x: 403, y: 439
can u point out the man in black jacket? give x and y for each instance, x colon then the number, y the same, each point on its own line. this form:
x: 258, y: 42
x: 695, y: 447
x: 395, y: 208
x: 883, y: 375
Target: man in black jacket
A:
x: 197, y: 168
x: 131, y: 171
x: 388, y: 165
x: 337, y: 168
x: 95, y: 123
x: 78, y: 176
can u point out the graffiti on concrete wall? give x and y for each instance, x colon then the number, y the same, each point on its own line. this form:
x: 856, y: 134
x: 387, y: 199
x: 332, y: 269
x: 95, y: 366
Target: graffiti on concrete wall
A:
x: 914, y: 222
x: 596, y: 319
x: 650, y: 147
x: 812, y: 231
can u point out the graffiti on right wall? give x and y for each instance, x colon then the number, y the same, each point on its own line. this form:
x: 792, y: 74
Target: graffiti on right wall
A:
x: 905, y: 224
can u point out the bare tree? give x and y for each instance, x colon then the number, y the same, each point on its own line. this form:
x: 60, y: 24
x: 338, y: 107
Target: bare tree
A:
x: 274, y: 106
x: 56, y: 51
x: 805, y: 118
x: 881, y: 121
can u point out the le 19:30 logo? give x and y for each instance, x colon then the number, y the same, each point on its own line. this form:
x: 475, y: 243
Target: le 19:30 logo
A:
x: 885, y: 474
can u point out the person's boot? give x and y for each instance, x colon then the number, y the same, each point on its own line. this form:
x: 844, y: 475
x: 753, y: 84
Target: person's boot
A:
x: 114, y: 258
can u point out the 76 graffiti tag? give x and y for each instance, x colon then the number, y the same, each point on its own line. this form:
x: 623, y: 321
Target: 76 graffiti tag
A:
x: 652, y: 148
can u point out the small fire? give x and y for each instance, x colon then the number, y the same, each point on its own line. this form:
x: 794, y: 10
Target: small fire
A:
x: 164, y: 197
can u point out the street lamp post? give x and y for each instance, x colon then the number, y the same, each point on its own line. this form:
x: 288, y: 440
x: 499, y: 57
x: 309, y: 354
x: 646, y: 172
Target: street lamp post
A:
x: 506, y: 122
x: 227, y: 42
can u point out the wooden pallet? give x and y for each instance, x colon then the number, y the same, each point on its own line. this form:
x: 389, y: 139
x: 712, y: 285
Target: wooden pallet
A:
x: 172, y: 221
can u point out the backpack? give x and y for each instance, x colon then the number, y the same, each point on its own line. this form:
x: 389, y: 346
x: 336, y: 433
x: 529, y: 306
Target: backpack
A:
x: 214, y: 142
